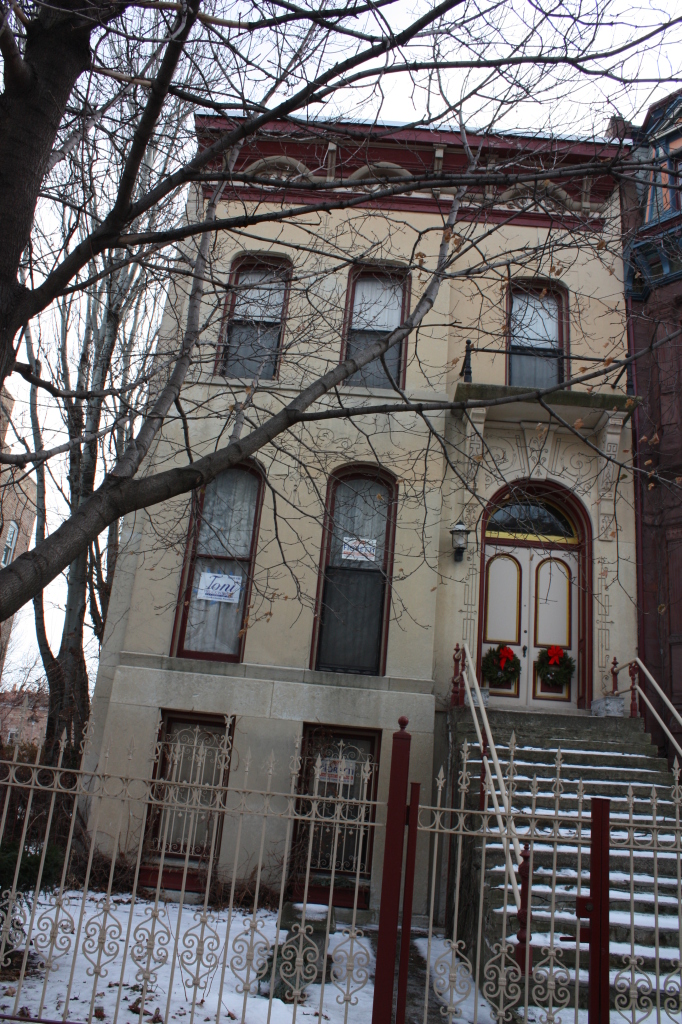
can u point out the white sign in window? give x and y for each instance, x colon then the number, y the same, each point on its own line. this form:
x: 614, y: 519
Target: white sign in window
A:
x: 339, y: 772
x: 218, y: 586
x: 359, y: 549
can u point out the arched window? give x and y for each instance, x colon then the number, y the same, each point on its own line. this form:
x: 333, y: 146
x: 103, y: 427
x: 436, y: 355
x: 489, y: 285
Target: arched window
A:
x: 252, y: 334
x: 357, y: 561
x: 378, y: 303
x: 223, y: 541
x: 10, y: 544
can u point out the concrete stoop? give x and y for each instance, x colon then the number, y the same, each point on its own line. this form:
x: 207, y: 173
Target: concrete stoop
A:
x: 611, y: 757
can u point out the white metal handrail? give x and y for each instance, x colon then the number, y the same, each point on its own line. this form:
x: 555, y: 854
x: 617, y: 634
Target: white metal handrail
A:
x: 671, y: 707
x: 469, y: 669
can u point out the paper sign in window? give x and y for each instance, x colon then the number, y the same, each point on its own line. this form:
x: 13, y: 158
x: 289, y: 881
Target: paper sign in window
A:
x: 359, y: 549
x: 218, y: 586
x: 338, y: 771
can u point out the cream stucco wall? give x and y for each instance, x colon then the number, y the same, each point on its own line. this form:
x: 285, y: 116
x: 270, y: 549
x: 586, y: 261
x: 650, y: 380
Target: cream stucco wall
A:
x: 434, y: 601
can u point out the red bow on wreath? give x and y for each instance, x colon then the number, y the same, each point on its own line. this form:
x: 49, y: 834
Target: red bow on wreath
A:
x: 555, y: 655
x: 506, y: 654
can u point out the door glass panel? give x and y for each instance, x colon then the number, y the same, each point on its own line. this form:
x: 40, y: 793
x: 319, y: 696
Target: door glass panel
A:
x: 503, y: 592
x: 553, y: 604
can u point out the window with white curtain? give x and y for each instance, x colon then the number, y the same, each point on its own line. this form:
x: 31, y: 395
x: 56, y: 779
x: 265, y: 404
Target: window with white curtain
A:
x: 254, y: 326
x: 10, y: 544
x: 222, y: 567
x: 377, y: 309
x: 535, y: 342
x: 353, y: 606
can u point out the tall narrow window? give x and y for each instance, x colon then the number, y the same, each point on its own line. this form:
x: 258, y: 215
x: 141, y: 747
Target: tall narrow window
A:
x: 10, y: 544
x: 535, y: 342
x: 336, y: 764
x: 675, y: 185
x: 354, y: 587
x: 377, y: 309
x: 184, y: 823
x: 254, y: 323
x: 655, y: 206
x: 222, y: 567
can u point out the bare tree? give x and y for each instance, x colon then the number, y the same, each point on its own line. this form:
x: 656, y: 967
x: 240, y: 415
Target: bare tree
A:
x: 107, y: 200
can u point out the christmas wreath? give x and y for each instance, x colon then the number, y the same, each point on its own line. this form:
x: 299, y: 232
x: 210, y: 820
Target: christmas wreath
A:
x: 500, y: 666
x: 555, y: 666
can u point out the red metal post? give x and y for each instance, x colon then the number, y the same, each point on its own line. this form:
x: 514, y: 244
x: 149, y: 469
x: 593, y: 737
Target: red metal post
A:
x: 484, y: 754
x: 387, y: 941
x: 633, y: 670
x: 457, y: 694
x: 408, y: 892
x: 524, y: 916
x: 598, y: 1010
x: 614, y: 675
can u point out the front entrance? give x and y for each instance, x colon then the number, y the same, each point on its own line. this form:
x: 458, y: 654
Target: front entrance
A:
x: 532, y: 599
x: 531, y: 605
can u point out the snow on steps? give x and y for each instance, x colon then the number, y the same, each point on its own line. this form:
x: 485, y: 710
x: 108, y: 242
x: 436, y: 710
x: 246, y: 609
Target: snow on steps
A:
x: 611, y: 758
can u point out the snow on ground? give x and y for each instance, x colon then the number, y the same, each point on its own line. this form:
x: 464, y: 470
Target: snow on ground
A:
x: 439, y: 948
x: 535, y: 1014
x: 172, y: 992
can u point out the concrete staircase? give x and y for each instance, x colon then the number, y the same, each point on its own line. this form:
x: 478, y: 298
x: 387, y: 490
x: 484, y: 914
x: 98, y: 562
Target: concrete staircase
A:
x: 605, y: 757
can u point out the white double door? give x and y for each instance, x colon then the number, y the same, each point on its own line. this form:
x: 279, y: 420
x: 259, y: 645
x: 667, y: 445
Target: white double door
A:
x: 530, y: 602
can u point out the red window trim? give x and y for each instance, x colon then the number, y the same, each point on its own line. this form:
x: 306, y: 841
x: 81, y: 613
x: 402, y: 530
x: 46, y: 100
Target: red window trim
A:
x: 241, y: 263
x: 187, y: 577
x: 557, y: 291
x: 337, y: 477
x: 376, y: 270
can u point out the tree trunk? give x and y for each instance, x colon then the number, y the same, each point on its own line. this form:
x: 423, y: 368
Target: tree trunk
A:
x: 37, y: 90
x: 71, y: 658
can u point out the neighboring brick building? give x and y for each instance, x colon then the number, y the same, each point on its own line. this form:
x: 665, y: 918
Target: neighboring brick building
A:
x: 652, y: 222
x: 17, y: 512
x: 23, y: 715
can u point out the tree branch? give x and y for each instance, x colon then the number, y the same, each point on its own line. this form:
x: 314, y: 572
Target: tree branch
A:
x: 17, y: 72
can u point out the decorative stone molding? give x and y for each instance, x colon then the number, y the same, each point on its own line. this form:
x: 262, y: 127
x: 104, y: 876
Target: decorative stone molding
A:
x: 473, y: 444
x: 539, y: 438
x: 610, y: 443
x: 606, y: 521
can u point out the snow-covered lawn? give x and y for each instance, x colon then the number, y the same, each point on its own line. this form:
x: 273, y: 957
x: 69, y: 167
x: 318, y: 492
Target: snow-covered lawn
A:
x: 75, y: 987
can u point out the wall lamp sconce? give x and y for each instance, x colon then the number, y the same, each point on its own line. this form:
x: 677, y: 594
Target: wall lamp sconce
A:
x: 460, y: 540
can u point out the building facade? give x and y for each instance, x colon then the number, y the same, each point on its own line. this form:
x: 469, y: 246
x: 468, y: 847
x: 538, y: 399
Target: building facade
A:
x: 17, y: 513
x: 23, y: 716
x: 652, y: 222
x: 315, y: 594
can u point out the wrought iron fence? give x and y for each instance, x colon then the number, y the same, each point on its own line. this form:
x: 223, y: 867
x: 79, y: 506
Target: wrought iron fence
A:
x: 598, y: 931
x: 186, y: 893
x: 189, y: 893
